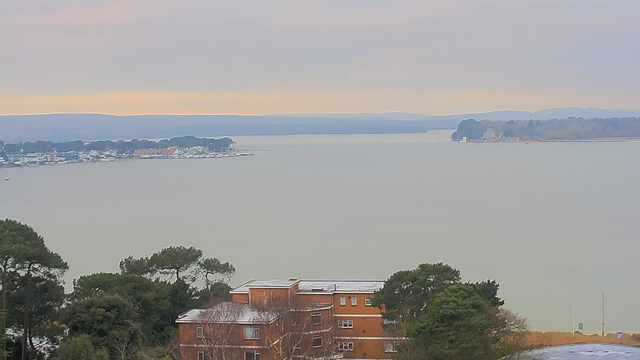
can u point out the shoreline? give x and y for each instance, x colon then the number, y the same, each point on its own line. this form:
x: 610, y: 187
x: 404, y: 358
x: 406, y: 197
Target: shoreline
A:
x: 624, y: 139
x: 538, y: 339
x: 112, y: 160
x: 524, y: 141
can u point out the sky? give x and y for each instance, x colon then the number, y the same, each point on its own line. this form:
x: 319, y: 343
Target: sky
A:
x: 258, y: 57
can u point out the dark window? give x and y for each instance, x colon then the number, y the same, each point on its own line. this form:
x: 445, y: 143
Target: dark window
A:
x: 316, y: 318
x: 252, y: 356
x: 316, y: 341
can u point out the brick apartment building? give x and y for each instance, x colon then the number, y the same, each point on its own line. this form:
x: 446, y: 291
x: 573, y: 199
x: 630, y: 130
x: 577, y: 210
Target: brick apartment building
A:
x: 289, y: 319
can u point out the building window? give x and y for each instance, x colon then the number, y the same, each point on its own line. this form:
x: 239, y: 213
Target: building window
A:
x: 388, y: 321
x: 390, y: 347
x: 345, y: 346
x: 354, y: 301
x: 200, y: 355
x: 316, y: 341
x: 199, y: 332
x: 345, y: 324
x: 367, y: 302
x: 343, y: 301
x: 295, y: 320
x: 316, y: 318
x: 254, y: 355
x: 251, y: 332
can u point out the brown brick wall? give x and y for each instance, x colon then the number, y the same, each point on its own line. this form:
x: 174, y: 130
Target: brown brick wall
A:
x: 360, y: 308
x: 315, y: 298
x: 278, y: 296
x: 241, y: 298
x: 365, y: 349
x: 362, y: 326
x: 188, y: 335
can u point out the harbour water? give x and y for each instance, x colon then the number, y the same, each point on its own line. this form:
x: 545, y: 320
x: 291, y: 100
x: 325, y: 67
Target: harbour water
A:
x: 554, y: 223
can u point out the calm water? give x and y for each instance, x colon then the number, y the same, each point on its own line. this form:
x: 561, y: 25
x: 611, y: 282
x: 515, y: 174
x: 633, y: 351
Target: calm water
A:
x: 554, y: 223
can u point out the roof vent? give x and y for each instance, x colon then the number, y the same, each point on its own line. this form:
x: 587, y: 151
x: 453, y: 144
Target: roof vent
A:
x: 317, y: 289
x: 293, y: 279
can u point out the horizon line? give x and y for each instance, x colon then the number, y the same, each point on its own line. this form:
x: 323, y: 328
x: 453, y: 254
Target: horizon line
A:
x: 313, y: 113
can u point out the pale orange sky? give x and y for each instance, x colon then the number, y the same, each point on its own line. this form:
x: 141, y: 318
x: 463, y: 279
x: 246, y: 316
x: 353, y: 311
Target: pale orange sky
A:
x: 329, y: 56
x: 128, y: 103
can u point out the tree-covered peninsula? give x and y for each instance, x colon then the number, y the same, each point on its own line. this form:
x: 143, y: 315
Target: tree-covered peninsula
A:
x: 40, y: 146
x: 550, y: 130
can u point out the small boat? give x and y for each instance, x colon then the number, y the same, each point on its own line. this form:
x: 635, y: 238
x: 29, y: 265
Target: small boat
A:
x: 6, y: 179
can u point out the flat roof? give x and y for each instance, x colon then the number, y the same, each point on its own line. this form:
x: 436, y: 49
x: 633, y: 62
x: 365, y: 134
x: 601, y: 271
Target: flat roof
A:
x: 273, y: 283
x: 584, y: 351
x: 340, y: 286
x: 315, y: 286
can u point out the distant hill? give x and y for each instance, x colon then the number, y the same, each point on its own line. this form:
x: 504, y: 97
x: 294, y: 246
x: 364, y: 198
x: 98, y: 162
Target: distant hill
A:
x: 67, y: 127
x: 571, y: 128
x: 503, y: 115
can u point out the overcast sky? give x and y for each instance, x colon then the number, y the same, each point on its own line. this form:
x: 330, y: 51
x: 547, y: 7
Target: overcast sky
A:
x: 234, y: 56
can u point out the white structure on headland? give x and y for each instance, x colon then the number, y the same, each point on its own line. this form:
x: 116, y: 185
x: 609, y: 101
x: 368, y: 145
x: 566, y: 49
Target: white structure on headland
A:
x: 584, y: 352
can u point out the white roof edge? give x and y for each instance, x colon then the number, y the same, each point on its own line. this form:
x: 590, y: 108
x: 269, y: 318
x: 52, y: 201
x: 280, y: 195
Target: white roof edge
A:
x: 267, y: 284
x: 336, y: 292
x: 235, y: 291
x: 244, y: 287
x: 258, y: 287
x: 342, y: 280
x: 238, y: 322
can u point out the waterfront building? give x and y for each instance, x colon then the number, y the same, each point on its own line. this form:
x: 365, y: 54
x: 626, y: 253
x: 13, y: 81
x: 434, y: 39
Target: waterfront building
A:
x: 289, y: 319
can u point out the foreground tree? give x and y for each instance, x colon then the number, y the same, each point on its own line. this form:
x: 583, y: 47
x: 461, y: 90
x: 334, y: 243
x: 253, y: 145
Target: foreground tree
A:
x: 133, y: 266
x: 512, y: 333
x: 217, y: 291
x: 175, y: 260
x: 11, y: 232
x: 47, y: 298
x: 154, y: 291
x: 436, y: 317
x: 212, y: 271
x: 168, y: 351
x: 489, y: 291
x: 36, y: 260
x: 408, y: 293
x: 105, y: 318
x: 179, y: 261
x: 77, y: 348
x: 458, y: 325
x: 130, y: 315
x: 151, y: 298
x: 461, y: 324
x: 24, y: 252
